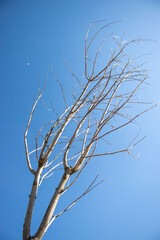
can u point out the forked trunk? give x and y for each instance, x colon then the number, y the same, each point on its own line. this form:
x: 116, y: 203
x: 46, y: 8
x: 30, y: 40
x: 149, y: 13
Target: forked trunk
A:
x: 49, y: 213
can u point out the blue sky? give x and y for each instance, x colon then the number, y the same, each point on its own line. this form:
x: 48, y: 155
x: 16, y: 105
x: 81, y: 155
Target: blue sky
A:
x: 35, y: 35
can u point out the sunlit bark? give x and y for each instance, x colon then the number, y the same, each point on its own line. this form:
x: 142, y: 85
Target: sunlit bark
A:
x: 106, y: 94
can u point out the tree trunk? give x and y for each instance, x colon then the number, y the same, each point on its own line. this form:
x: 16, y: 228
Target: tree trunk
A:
x: 50, y: 210
x: 32, y: 198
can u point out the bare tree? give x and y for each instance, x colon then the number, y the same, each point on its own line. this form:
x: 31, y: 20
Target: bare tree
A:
x: 101, y: 109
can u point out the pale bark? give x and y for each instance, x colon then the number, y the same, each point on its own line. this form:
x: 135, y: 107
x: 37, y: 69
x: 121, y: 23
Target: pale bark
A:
x: 101, y: 92
x: 32, y: 198
x: 50, y: 210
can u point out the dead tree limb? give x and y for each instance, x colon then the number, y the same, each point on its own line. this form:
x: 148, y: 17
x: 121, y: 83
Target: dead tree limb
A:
x: 103, y: 107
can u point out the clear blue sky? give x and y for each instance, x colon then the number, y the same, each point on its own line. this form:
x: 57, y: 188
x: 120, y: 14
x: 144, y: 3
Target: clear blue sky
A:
x: 34, y: 35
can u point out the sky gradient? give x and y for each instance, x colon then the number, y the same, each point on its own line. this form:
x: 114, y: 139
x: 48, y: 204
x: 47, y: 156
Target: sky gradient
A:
x: 35, y: 35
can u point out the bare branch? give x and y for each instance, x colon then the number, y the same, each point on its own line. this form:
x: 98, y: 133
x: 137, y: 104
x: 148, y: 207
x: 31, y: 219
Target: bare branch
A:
x: 81, y: 169
x: 26, y: 132
x: 115, y: 129
x: 73, y: 74
x: 90, y: 188
x: 60, y: 86
x: 107, y: 94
